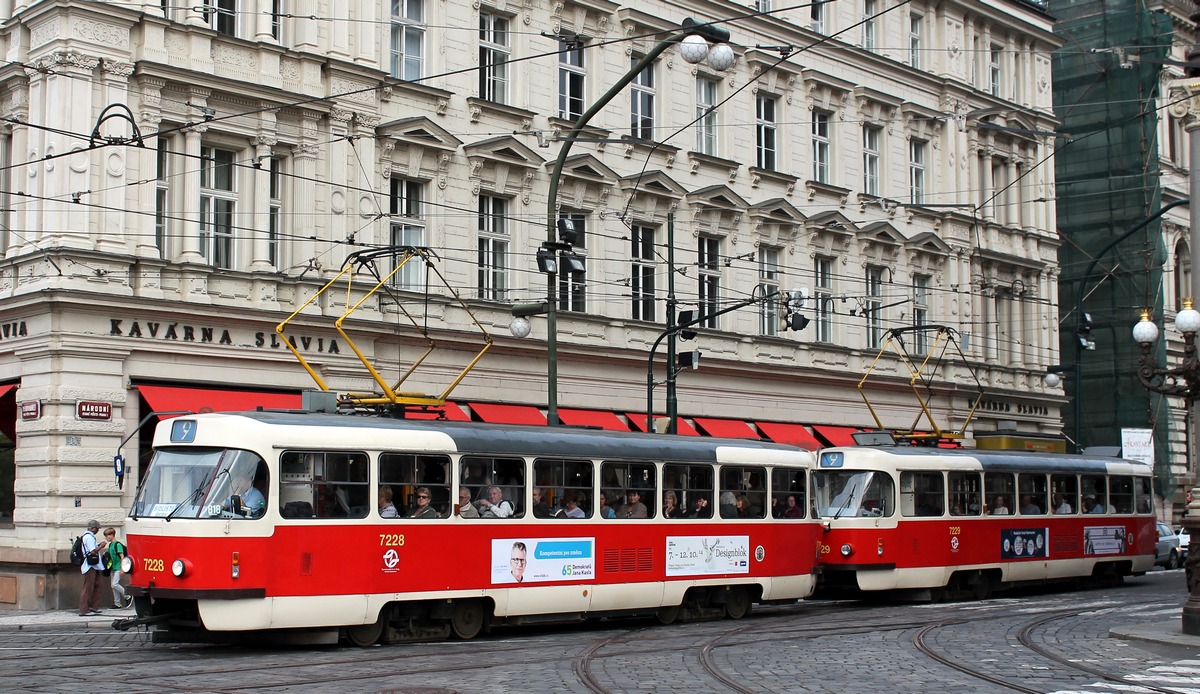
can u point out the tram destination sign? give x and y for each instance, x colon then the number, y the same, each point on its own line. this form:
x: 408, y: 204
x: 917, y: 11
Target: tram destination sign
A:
x: 89, y: 409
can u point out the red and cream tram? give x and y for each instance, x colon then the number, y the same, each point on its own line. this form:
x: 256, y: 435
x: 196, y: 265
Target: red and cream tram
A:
x: 962, y: 523
x: 281, y: 523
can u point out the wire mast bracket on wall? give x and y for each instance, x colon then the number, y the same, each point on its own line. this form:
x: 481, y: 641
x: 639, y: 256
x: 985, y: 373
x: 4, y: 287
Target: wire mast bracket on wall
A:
x: 366, y: 262
x: 921, y: 380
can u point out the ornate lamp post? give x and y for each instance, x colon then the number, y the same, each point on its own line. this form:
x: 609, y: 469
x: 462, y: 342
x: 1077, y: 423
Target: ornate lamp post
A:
x: 1182, y: 381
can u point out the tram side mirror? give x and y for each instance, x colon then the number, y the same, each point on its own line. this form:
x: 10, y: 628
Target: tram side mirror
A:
x: 235, y: 504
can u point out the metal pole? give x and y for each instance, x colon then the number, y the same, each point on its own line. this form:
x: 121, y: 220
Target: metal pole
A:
x: 672, y: 372
x: 1190, y: 616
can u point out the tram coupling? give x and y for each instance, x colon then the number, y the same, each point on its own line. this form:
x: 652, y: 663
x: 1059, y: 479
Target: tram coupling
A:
x: 133, y: 622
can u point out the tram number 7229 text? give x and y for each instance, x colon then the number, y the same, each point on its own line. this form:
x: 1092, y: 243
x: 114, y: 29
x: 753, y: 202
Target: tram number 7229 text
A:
x: 391, y: 539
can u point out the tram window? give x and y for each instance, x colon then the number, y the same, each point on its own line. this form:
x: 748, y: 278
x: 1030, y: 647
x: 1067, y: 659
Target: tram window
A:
x: 1120, y: 494
x: 1033, y: 494
x: 998, y: 488
x: 1065, y: 494
x: 324, y: 484
x: 481, y: 473
x: 965, y: 494
x: 842, y: 493
x: 788, y: 493
x: 631, y: 488
x: 1095, y: 494
x: 693, y: 487
x: 742, y: 492
x: 1143, y: 494
x: 922, y: 494
x: 405, y: 473
x: 565, y: 487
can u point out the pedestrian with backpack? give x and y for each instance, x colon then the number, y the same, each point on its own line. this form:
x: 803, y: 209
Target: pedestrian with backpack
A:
x: 89, y: 596
x: 112, y: 564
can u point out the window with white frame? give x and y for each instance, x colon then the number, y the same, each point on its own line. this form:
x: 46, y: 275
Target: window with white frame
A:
x: 871, y: 135
x: 572, y: 287
x: 768, y: 284
x: 765, y: 130
x: 277, y: 20
x: 914, y: 39
x: 874, y: 305
x: 222, y: 16
x: 820, y: 146
x: 817, y: 16
x: 572, y: 72
x: 708, y: 260
x: 494, y: 54
x: 994, y: 74
x: 407, y: 212
x: 408, y: 39
x: 275, y: 210
x: 868, y: 25
x: 162, y: 196
x: 218, y: 204
x: 823, y: 296
x: 642, y: 280
x: 493, y: 248
x: 641, y: 107
x: 921, y: 312
x: 706, y: 116
x: 916, y: 171
x: 762, y: 5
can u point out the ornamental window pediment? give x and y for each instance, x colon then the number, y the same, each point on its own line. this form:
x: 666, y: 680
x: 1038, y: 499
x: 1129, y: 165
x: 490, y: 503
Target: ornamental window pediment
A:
x: 716, y: 209
x: 880, y: 243
x: 825, y: 91
x: 875, y: 107
x: 585, y: 184
x: 651, y: 195
x: 776, y: 222
x: 582, y: 16
x: 830, y: 232
x: 927, y: 252
x: 503, y: 165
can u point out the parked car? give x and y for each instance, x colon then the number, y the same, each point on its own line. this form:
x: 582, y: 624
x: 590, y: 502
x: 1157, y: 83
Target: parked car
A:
x: 1184, y: 540
x: 1166, y: 550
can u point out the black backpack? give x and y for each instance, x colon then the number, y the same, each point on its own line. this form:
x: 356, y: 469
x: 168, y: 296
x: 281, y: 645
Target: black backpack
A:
x: 77, y: 556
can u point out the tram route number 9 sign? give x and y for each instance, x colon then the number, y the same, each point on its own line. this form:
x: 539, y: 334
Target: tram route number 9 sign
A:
x: 543, y: 560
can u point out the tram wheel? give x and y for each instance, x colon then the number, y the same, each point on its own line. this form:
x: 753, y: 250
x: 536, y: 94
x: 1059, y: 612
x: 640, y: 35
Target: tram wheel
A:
x: 667, y: 615
x: 467, y: 620
x: 982, y: 588
x: 737, y: 604
x: 365, y: 635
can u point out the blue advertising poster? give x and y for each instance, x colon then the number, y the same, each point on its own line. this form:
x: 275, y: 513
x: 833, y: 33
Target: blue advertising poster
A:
x: 1024, y: 543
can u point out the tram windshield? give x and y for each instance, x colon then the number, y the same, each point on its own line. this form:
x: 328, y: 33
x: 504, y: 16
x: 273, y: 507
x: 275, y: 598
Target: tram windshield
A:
x: 849, y: 493
x: 202, y: 483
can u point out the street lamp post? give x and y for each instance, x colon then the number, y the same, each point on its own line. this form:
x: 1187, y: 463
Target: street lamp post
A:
x: 1182, y: 381
x: 695, y: 38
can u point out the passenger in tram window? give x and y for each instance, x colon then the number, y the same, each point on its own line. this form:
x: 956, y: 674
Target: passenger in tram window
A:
x: 670, y: 507
x: 999, y: 508
x: 729, y: 507
x: 1028, y: 508
x: 465, y: 508
x: 634, y: 508
x: 606, y: 511
x: 792, y: 509
x: 701, y: 509
x: 1061, y: 505
x: 386, y: 508
x: 1092, y: 506
x: 571, y: 504
x: 956, y: 509
x: 541, y: 509
x: 495, y: 505
x: 756, y: 496
x: 423, y: 508
x: 973, y: 505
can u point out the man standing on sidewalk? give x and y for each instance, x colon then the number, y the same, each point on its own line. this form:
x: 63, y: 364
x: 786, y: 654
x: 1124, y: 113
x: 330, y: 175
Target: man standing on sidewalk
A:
x: 89, y: 597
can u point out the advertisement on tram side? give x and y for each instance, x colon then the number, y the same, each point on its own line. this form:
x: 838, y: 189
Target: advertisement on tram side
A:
x: 520, y: 560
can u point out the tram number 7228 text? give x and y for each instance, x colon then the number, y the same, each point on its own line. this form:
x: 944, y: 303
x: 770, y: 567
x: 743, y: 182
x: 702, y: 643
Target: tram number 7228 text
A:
x: 153, y: 564
x: 391, y: 539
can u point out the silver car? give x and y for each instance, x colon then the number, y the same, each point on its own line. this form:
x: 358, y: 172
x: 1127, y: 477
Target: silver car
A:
x: 1166, y: 550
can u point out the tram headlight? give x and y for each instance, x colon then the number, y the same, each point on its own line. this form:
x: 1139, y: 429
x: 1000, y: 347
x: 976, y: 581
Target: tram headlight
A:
x: 847, y: 550
x: 127, y: 565
x: 181, y: 568
x: 879, y: 549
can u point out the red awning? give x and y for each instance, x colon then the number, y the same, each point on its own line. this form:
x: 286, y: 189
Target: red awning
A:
x: 454, y: 413
x: 4, y: 389
x: 508, y: 414
x: 638, y: 419
x: 725, y: 428
x: 592, y: 418
x: 792, y: 434
x: 171, y: 399
x: 835, y: 436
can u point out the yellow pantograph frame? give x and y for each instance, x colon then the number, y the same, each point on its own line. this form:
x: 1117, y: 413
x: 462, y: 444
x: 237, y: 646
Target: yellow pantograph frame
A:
x: 392, y: 395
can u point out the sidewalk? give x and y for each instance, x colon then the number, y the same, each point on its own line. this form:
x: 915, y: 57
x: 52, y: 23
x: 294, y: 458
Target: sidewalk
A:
x: 17, y: 621
x: 1169, y: 633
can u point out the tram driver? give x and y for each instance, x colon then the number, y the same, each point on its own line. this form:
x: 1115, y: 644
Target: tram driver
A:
x: 245, y: 499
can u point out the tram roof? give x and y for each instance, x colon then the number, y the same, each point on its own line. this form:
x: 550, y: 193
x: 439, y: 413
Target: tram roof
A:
x: 1019, y: 461
x: 476, y: 437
